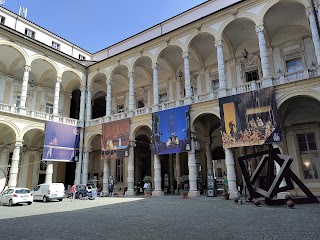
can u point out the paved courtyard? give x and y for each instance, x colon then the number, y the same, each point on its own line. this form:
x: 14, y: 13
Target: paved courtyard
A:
x: 168, y: 217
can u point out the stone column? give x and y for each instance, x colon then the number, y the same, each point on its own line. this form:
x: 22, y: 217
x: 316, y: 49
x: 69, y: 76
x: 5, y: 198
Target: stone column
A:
x: 82, y: 103
x: 187, y: 83
x: 221, y: 69
x: 207, y: 80
x: 171, y: 172
x: 209, y: 155
x: 88, y: 112
x: 56, y: 97
x: 13, y: 175
x: 24, y: 89
x: 85, y: 166
x: 314, y: 32
x: 105, y: 180
x: 131, y: 91
x: 77, y: 179
x: 178, y: 168
x: 49, y: 172
x: 108, y: 104
x: 157, y: 177
x: 170, y: 93
x: 231, y: 174
x: 263, y: 52
x: 130, y: 180
x: 193, y: 190
x: 155, y: 86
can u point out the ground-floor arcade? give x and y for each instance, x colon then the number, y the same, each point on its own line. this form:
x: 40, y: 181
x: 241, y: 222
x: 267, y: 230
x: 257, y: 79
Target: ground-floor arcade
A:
x: 21, y: 152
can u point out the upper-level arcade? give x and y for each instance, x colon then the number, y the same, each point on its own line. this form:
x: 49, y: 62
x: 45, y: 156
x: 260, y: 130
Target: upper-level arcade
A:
x: 245, y: 47
x: 38, y: 86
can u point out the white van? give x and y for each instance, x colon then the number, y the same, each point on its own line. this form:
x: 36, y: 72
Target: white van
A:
x: 48, y: 191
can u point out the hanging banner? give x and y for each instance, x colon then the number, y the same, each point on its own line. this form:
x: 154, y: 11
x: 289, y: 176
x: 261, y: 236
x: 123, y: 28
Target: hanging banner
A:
x: 249, y: 119
x: 171, y: 131
x: 61, y: 142
x: 115, y: 139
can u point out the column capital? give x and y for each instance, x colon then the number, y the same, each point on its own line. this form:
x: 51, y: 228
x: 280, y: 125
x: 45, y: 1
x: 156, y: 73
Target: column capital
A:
x: 27, y: 68
x: 259, y: 28
x: 185, y: 54
x: 154, y: 66
x: 18, y: 144
x: 309, y: 12
x: 89, y: 88
x: 131, y: 75
x: 87, y: 150
x: 82, y: 88
x: 218, y: 43
x: 58, y: 80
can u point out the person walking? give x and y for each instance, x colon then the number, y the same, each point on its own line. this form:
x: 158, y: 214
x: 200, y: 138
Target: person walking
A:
x: 111, y: 188
x: 73, y: 192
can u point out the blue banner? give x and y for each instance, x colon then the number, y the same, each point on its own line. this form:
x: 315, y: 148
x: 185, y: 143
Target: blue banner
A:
x: 61, y: 142
x: 171, y: 131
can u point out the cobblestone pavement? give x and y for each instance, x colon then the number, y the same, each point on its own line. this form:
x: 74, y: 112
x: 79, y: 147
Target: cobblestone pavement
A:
x: 168, y: 217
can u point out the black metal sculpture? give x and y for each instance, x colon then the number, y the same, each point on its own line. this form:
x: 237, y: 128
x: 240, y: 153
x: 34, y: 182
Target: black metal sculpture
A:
x: 273, y: 180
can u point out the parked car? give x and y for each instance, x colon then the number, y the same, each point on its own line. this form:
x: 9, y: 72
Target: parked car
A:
x: 48, y: 191
x: 13, y: 196
x: 84, y: 191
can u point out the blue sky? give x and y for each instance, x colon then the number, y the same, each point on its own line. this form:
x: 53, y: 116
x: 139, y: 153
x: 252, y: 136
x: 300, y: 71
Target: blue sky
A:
x: 97, y: 24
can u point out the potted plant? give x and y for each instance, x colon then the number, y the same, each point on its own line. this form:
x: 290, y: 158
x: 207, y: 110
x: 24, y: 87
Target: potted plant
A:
x: 184, y: 181
x: 225, y: 193
x: 147, y: 190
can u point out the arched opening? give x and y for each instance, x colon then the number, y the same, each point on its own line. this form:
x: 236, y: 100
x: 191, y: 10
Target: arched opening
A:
x: 75, y: 104
x: 99, y: 107
x: 300, y: 117
x: 142, y: 157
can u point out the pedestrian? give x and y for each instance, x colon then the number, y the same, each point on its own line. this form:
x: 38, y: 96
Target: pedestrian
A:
x: 138, y: 189
x: 73, y: 192
x: 111, y: 188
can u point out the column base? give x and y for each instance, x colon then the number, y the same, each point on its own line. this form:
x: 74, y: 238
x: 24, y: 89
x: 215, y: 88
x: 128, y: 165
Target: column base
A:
x: 266, y: 82
x: 157, y: 193
x: 130, y: 193
x: 155, y: 108
x: 193, y: 194
x: 187, y: 101
x: 130, y: 113
x: 55, y: 118
x: 23, y: 111
x: 222, y: 92
x: 104, y: 193
x: 233, y: 194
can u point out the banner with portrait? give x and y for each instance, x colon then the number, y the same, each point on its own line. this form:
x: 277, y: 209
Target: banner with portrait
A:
x: 115, y: 139
x: 171, y: 131
x: 61, y: 142
x: 249, y: 119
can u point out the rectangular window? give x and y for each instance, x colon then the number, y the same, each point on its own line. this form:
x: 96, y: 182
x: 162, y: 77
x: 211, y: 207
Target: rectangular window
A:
x: 49, y: 108
x: 163, y: 98
x: 252, y: 75
x: 215, y: 85
x: 18, y: 100
x: 81, y: 57
x: 2, y: 19
x: 309, y: 155
x: 294, y: 65
x: 55, y: 45
x: 120, y: 169
x: 29, y: 33
x: 120, y: 108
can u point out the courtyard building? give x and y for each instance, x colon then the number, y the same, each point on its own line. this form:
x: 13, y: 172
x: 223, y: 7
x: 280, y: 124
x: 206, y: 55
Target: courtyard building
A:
x: 214, y: 51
